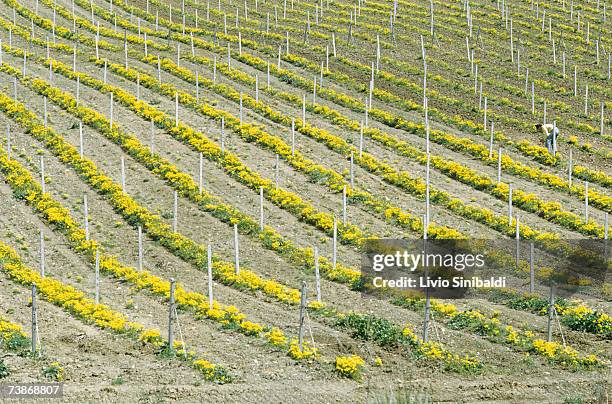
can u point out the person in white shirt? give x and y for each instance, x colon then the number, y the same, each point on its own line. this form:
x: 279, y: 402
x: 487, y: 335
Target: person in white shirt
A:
x: 551, y: 133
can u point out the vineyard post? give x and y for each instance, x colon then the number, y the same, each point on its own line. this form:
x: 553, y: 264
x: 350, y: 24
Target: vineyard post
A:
x: 526, y: 81
x: 236, y: 251
x: 222, y: 135
x: 360, y: 139
x: 427, y: 187
x: 569, y: 171
x: 518, y: 240
x: 554, y: 145
x: 491, y: 140
x: 210, y: 278
x: 277, y: 171
x: 485, y: 113
x: 201, y: 174
x: 138, y: 86
x: 499, y: 165
x: 24, y: 64
x: 146, y: 49
x: 34, y: 320
x: 171, y: 318
x: 314, y: 90
x: 317, y: 274
x: 551, y: 312
x: 575, y: 81
x: 42, y: 173
x: 105, y: 74
x: 8, y: 137
x: 111, y: 110
x: 606, y: 226
x: 175, y: 213
x: 97, y: 278
x: 563, y: 59
x: 302, y: 312
x: 334, y: 43
x: 303, y: 110
x: 532, y: 98
x: 86, y: 217
x: 351, y: 171
x: 586, y: 100
x: 240, y: 108
x: 609, y: 62
x: 601, y: 119
x: 197, y: 80
x: 586, y: 201
x: 344, y: 205
x: 45, y: 117
x: 377, y: 52
x: 122, y: 174
x: 426, y: 275
x: 78, y: 90
x: 140, y: 255
x: 42, y: 253
x: 292, y: 137
x: 215, y: 69
x: 531, y: 268
x: 261, y: 208
x: 509, y: 203
x: 335, y: 243
x: 176, y: 109
x: 152, y: 142
x: 229, y: 58
x: 480, y: 96
x: 544, y: 115
x: 256, y: 87
x: 366, y: 112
